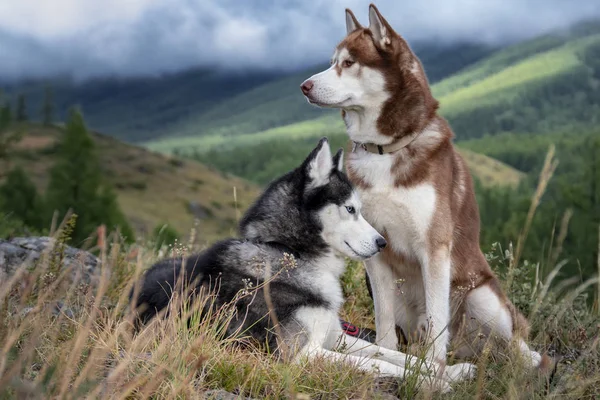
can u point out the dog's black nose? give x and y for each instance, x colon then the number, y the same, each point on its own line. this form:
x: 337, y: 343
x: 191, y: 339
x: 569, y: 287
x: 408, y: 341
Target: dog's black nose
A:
x: 381, y: 243
x: 306, y: 86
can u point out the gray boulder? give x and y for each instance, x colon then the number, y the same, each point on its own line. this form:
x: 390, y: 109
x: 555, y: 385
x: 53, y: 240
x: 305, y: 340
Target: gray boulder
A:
x: 29, y: 250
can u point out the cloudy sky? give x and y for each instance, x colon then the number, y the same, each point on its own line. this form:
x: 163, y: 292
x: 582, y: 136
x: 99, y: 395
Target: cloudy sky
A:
x: 133, y: 37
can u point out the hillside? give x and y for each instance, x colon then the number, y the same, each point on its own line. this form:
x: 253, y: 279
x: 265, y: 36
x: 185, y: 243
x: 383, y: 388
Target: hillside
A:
x: 206, y: 101
x: 542, y: 93
x: 280, y: 102
x: 263, y: 161
x: 137, y: 109
x: 541, y: 85
x: 152, y: 188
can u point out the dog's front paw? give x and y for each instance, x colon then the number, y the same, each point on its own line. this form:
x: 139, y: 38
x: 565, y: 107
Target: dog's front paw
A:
x: 460, y: 372
x: 533, y: 359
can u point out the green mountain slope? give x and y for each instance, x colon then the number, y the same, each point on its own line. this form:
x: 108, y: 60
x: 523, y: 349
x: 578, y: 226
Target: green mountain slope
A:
x: 206, y: 101
x: 139, y: 109
x: 263, y: 161
x: 542, y: 93
x: 280, y: 102
x: 545, y: 84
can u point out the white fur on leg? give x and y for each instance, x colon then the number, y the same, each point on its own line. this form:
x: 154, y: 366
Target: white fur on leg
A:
x: 381, y: 277
x: 488, y: 315
x: 454, y: 373
x: 436, y: 282
x: 378, y: 367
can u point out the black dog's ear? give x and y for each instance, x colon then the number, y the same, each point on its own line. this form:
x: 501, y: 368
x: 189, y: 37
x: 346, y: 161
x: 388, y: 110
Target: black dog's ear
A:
x: 338, y: 160
x: 319, y: 163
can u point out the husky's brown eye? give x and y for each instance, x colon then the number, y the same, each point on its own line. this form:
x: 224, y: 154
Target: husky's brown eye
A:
x: 348, y: 63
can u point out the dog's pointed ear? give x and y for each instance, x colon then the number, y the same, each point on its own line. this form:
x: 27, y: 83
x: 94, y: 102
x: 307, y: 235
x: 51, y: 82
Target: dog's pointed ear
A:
x: 319, y: 164
x: 352, y: 23
x: 381, y: 29
x: 338, y: 160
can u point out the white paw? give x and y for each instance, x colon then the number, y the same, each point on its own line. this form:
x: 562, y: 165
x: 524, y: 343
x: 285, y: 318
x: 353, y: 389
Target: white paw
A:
x: 533, y: 358
x: 460, y: 372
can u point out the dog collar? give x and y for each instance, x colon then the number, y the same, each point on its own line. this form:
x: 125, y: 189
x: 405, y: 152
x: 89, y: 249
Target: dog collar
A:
x: 387, y: 148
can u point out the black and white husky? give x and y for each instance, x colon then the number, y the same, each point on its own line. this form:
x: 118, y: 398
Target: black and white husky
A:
x: 297, y: 232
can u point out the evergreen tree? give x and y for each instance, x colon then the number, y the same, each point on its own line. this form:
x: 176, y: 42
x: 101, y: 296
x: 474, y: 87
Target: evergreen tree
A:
x: 76, y: 184
x: 48, y: 107
x: 110, y: 212
x: 5, y: 117
x: 5, y: 114
x: 6, y: 137
x: 21, y: 108
x: 19, y: 199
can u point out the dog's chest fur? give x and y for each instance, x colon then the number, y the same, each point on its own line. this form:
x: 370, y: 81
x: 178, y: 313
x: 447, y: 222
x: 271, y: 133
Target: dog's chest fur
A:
x: 403, y: 214
x: 325, y: 279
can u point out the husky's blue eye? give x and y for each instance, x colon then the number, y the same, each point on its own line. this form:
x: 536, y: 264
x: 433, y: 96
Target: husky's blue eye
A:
x: 350, y: 209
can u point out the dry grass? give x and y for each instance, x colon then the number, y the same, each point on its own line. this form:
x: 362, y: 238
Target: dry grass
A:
x: 94, y: 354
x: 88, y: 348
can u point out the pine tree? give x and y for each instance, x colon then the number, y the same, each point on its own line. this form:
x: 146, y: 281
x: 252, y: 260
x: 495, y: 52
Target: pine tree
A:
x: 48, y: 107
x: 111, y: 213
x: 5, y: 117
x: 21, y: 108
x: 5, y: 114
x: 19, y: 199
x: 6, y: 137
x: 76, y: 184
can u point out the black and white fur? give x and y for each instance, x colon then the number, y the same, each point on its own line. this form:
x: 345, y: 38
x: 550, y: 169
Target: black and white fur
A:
x: 310, y: 216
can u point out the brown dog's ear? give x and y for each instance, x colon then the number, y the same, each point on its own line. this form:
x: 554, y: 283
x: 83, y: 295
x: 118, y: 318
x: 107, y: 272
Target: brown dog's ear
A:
x: 380, y: 28
x: 352, y: 23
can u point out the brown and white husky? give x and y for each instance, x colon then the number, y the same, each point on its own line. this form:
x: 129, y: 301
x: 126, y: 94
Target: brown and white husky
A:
x: 432, y: 280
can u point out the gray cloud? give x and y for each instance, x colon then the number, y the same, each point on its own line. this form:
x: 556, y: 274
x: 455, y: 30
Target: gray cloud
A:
x: 140, y: 37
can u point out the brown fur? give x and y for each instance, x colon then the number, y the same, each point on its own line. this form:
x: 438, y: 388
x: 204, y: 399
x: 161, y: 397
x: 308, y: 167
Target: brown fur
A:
x: 411, y: 105
x: 412, y: 108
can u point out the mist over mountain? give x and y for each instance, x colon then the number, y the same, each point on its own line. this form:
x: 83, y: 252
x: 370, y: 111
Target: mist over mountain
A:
x: 94, y: 38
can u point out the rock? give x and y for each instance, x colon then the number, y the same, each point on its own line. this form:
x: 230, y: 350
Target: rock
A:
x: 145, y: 169
x: 28, y: 250
x: 198, y: 210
